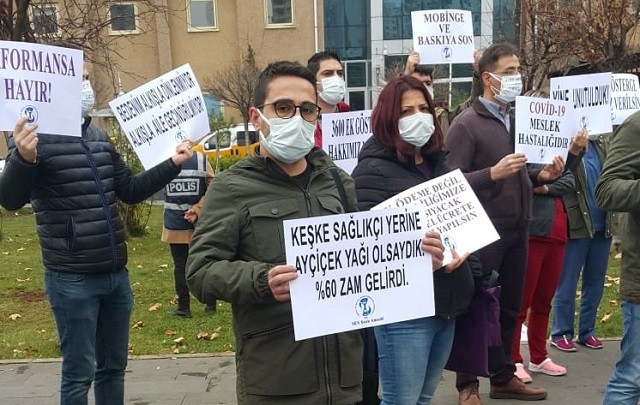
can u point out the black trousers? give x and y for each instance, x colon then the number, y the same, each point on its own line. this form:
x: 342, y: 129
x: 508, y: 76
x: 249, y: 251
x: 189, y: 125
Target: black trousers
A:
x: 507, y: 256
x: 180, y: 253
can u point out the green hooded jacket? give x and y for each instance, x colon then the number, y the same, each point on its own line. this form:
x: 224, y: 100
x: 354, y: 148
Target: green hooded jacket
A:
x: 238, y: 238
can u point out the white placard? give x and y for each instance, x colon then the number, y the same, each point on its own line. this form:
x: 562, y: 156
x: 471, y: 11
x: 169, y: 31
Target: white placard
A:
x: 544, y: 128
x: 625, y: 99
x: 591, y: 98
x: 42, y: 82
x: 452, y: 209
x: 443, y: 36
x: 358, y: 270
x: 160, y: 114
x: 343, y: 135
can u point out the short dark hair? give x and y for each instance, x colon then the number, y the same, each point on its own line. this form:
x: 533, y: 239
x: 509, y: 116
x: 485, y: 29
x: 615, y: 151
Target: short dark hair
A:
x: 387, y: 112
x: 491, y: 55
x: 313, y: 64
x: 424, y: 70
x: 278, y: 69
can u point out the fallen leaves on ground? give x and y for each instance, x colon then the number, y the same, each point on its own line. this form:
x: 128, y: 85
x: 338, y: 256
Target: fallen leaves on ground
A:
x: 15, y: 317
x: 613, y: 303
x: 170, y: 332
x: 137, y: 325
x: 23, y: 280
x: 155, y: 307
x: 606, y: 317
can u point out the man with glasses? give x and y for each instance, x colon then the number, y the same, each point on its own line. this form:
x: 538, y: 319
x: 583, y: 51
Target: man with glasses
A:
x: 327, y: 68
x: 237, y: 252
x: 480, y: 143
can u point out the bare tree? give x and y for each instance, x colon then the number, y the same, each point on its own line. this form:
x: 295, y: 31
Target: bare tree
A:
x: 234, y: 86
x: 554, y: 34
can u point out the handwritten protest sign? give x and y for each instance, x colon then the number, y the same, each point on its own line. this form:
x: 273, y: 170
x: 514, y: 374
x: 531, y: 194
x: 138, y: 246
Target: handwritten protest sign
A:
x: 591, y: 98
x: 343, y: 135
x: 43, y: 83
x: 158, y: 115
x: 625, y: 96
x: 355, y: 269
x: 452, y: 209
x: 443, y: 36
x: 544, y: 128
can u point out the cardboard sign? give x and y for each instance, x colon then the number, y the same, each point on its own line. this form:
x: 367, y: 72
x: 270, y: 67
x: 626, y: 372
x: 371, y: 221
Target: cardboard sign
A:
x: 43, y: 83
x: 343, y: 135
x: 355, y: 269
x: 590, y: 96
x: 544, y: 128
x: 443, y: 36
x: 452, y: 209
x: 625, y: 99
x: 158, y: 115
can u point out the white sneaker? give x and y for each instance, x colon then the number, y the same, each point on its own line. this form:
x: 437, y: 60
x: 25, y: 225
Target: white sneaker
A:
x: 522, y: 374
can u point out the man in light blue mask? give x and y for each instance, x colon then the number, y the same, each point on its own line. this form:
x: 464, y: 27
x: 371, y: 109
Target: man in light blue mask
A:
x: 327, y: 68
x: 481, y: 144
x: 237, y: 253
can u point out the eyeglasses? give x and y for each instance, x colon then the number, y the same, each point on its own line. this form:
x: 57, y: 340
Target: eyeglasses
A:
x: 511, y: 72
x: 286, y: 109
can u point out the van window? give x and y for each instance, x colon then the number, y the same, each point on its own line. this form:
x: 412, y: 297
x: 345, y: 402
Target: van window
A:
x: 253, y: 137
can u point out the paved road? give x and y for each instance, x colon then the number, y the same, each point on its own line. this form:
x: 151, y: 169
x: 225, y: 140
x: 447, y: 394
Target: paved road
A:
x: 197, y: 380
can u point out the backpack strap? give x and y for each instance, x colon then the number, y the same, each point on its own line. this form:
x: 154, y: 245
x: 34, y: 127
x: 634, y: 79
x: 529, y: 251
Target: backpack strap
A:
x: 343, y: 193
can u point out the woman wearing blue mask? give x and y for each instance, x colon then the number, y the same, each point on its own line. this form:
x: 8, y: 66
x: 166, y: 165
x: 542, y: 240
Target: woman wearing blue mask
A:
x: 404, y: 151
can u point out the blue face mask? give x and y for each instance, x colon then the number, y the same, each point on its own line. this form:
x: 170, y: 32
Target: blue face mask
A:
x: 289, y: 139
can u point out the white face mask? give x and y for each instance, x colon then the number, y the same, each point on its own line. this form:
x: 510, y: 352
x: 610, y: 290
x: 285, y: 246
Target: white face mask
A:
x: 416, y: 129
x: 289, y: 140
x: 333, y: 89
x: 510, y: 88
x: 430, y: 91
x: 88, y: 98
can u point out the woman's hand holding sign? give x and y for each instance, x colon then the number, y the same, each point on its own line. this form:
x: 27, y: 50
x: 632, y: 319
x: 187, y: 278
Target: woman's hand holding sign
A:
x: 432, y: 244
x: 26, y: 139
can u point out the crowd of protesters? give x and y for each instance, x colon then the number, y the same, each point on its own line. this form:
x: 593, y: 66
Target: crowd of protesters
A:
x: 555, y: 224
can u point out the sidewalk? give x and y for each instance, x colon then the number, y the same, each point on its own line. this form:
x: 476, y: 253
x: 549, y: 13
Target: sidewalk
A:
x: 197, y: 380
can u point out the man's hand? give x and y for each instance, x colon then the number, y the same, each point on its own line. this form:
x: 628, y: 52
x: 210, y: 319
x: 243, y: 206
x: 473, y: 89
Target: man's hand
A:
x: 278, y: 278
x: 432, y: 244
x: 412, y: 61
x: 26, y: 139
x: 508, y: 166
x: 190, y: 215
x: 183, y: 153
x: 580, y: 142
x: 543, y: 189
x: 552, y: 171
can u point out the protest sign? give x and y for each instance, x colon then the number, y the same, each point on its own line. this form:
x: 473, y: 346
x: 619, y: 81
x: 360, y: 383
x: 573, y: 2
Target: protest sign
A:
x: 590, y: 96
x: 343, y: 135
x: 160, y: 114
x: 358, y: 270
x: 443, y: 36
x: 452, y: 209
x: 41, y: 82
x: 544, y: 128
x: 625, y: 96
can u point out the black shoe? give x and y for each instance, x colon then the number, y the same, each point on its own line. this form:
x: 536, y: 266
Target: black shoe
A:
x: 210, y: 309
x: 183, y: 313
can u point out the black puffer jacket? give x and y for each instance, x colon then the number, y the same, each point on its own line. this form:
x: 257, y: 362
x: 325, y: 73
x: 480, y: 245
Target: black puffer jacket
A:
x: 379, y: 176
x: 73, y: 188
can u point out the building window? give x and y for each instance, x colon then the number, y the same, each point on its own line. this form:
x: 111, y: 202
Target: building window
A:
x: 44, y: 19
x: 202, y: 15
x: 279, y: 12
x: 123, y: 18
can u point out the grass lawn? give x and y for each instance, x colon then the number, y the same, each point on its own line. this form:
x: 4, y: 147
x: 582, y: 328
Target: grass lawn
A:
x: 28, y: 331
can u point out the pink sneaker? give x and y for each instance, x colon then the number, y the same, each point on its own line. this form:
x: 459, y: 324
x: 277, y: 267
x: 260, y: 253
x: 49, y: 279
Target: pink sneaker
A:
x: 548, y: 367
x: 564, y: 344
x: 591, y: 342
x: 522, y: 374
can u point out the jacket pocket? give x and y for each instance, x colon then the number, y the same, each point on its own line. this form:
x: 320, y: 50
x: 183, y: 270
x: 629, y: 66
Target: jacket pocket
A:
x: 331, y: 205
x: 266, y: 226
x: 71, y: 234
x: 350, y: 355
x: 272, y: 363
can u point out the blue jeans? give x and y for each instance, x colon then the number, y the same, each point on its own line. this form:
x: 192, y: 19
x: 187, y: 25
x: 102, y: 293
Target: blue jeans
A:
x: 92, y: 313
x: 624, y: 387
x: 412, y: 355
x: 591, y: 257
